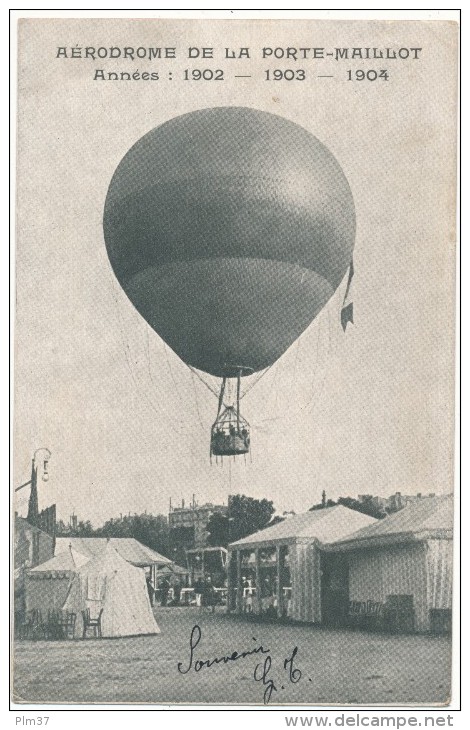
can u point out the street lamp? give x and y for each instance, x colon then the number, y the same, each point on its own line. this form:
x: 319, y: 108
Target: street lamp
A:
x: 33, y: 508
x: 45, y: 473
x: 34, y: 469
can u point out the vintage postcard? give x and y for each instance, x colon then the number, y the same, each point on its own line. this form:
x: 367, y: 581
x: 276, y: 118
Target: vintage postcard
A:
x: 234, y: 362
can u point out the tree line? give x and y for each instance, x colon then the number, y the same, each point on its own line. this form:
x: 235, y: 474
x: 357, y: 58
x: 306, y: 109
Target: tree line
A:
x: 245, y: 516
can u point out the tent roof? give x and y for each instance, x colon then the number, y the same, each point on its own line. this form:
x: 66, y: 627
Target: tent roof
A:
x: 69, y: 560
x: 108, y: 560
x: 427, y: 517
x: 128, y: 547
x: 325, y: 525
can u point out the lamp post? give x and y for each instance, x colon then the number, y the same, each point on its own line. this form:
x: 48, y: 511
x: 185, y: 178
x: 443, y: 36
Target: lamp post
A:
x: 33, y: 507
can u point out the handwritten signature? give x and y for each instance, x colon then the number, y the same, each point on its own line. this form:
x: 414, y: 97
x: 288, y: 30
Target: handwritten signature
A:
x: 262, y: 672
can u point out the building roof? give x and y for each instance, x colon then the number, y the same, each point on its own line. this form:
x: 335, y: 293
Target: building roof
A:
x: 324, y: 525
x: 23, y: 522
x: 427, y: 517
x: 128, y: 548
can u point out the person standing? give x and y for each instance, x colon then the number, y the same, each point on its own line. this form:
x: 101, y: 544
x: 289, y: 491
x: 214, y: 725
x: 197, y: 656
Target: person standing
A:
x: 209, y: 594
x: 199, y: 590
x: 150, y: 590
x: 176, y: 592
x: 164, y: 588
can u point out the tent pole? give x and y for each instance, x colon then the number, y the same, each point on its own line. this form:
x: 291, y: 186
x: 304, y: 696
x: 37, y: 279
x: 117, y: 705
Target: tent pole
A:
x: 238, y: 604
x: 238, y: 400
x: 229, y: 581
x: 279, y: 576
x: 258, y: 582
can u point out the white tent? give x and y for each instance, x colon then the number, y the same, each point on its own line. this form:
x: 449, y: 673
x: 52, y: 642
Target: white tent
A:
x: 110, y: 583
x: 47, y: 585
x: 408, y: 553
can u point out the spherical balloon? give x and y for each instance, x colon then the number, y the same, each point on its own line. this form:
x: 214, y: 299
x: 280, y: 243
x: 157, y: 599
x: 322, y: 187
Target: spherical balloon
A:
x: 229, y: 229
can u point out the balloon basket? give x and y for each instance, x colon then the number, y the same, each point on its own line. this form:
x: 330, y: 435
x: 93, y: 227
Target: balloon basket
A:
x: 230, y: 434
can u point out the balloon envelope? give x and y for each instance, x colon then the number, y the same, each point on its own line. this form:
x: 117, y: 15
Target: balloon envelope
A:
x: 229, y: 229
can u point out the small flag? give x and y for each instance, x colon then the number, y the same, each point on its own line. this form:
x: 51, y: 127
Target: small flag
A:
x: 347, y: 310
x: 347, y: 315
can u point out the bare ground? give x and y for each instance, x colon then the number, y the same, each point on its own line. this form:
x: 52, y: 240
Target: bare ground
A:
x: 337, y: 666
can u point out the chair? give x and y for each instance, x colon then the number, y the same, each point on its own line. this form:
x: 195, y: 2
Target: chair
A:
x: 441, y: 620
x: 20, y: 625
x: 34, y: 627
x: 400, y: 614
x: 92, y: 623
x: 375, y: 615
x: 66, y: 624
x: 53, y: 629
x: 357, y: 613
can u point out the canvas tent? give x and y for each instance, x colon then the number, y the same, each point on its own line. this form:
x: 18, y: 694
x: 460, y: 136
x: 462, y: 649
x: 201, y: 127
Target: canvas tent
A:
x: 407, y: 554
x: 284, y: 562
x: 119, y: 588
x: 128, y: 548
x: 47, y: 585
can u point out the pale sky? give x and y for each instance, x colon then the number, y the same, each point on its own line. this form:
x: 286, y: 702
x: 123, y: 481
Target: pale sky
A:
x: 369, y: 411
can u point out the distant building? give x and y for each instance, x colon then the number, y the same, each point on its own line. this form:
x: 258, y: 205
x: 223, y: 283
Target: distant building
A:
x: 188, y: 527
x: 32, y: 547
x: 395, y: 502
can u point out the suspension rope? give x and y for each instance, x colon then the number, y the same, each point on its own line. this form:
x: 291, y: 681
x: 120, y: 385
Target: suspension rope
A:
x: 273, y: 383
x: 312, y: 403
x: 209, y: 387
x: 311, y: 396
x: 297, y: 358
x: 197, y: 404
x: 155, y: 385
x: 256, y: 381
x: 221, y: 397
x: 172, y: 374
x: 127, y: 358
